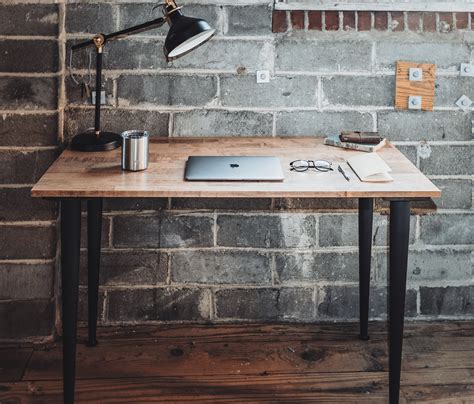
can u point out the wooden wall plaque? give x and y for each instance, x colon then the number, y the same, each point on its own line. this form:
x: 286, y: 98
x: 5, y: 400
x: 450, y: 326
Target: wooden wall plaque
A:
x: 424, y: 88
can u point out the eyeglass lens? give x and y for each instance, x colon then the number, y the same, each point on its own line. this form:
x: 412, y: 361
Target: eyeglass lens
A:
x: 322, y: 165
x: 300, y: 165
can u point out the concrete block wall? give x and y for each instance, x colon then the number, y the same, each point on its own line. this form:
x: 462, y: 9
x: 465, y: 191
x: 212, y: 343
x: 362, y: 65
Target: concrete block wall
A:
x: 216, y: 260
x: 30, y: 72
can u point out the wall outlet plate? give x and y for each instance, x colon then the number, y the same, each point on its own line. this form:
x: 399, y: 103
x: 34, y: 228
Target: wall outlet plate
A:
x: 466, y: 70
x: 263, y: 76
x: 414, y: 102
x: 103, y: 100
x: 415, y: 74
x: 464, y: 102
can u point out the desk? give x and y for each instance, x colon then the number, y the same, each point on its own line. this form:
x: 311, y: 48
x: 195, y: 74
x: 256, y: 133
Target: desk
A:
x: 77, y: 176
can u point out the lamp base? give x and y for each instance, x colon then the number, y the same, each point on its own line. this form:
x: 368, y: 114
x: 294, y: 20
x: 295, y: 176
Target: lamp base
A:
x: 90, y: 142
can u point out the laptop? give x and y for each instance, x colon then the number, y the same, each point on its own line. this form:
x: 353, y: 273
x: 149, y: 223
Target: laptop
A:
x: 233, y: 168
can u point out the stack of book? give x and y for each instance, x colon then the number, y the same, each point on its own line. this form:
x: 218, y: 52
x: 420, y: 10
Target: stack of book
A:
x: 365, y: 147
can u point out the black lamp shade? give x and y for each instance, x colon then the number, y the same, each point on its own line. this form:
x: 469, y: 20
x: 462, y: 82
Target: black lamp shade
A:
x: 185, y: 34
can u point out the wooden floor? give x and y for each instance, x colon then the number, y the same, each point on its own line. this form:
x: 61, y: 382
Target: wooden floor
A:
x: 248, y: 364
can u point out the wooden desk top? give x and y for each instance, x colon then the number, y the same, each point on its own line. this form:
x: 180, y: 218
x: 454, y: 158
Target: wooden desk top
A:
x: 79, y: 174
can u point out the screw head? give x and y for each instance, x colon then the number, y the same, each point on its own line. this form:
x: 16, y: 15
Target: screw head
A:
x: 414, y: 101
x: 464, y: 102
x: 467, y: 69
x: 263, y: 76
x: 415, y: 73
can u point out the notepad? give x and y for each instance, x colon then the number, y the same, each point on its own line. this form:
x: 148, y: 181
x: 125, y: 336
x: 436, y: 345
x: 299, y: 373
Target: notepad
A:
x: 370, y: 168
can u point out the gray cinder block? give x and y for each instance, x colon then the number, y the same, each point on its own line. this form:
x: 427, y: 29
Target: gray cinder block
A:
x: 334, y: 55
x: 167, y: 231
x: 222, y: 123
x: 265, y: 304
x: 312, y: 123
x: 27, y: 242
x: 166, y: 90
x: 28, y: 93
x: 280, y: 92
x: 447, y: 301
x: 220, y: 267
x: 269, y: 231
x: 433, y: 125
x: 25, y: 19
x: 161, y: 304
x: 448, y: 228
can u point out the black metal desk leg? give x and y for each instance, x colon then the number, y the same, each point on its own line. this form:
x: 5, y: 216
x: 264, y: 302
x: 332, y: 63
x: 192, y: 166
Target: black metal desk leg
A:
x: 399, y: 239
x: 366, y: 214
x: 94, y: 231
x: 70, y: 253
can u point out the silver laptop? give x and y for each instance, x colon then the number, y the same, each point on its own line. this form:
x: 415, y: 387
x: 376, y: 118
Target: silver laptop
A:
x: 233, y: 168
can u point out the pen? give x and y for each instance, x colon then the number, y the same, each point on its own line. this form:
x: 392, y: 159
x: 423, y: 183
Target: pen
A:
x: 339, y: 168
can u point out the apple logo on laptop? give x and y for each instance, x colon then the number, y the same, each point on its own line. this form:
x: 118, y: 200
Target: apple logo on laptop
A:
x: 234, y: 165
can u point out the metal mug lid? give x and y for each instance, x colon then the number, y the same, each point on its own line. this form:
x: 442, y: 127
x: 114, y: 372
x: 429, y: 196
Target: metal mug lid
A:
x: 134, y: 134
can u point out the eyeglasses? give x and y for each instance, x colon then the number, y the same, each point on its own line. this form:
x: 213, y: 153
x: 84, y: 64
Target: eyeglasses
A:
x: 303, y: 165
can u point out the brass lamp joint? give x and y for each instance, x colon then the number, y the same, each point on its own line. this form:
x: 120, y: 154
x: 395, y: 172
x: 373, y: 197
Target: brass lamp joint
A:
x: 170, y: 7
x: 99, y: 42
x: 171, y: 3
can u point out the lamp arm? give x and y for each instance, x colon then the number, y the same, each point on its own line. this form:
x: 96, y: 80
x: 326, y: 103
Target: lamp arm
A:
x: 146, y: 26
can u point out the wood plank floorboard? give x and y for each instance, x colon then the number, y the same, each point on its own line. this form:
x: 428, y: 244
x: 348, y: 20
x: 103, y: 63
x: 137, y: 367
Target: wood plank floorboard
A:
x: 13, y: 362
x: 248, y: 363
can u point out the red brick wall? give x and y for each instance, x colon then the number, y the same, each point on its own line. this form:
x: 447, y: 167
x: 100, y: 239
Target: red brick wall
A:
x: 395, y: 21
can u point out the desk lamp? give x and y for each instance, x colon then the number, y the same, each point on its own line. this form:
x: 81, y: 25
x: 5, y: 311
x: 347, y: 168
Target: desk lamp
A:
x: 184, y: 35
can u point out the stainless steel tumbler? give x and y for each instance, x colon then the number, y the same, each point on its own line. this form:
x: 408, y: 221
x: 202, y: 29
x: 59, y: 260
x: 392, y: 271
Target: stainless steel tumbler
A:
x: 134, y: 150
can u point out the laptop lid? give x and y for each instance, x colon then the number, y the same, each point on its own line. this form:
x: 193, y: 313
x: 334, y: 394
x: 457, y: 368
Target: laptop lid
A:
x: 233, y: 168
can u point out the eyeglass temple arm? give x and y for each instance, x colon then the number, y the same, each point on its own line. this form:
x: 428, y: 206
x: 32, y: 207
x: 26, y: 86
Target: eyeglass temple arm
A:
x: 156, y: 23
